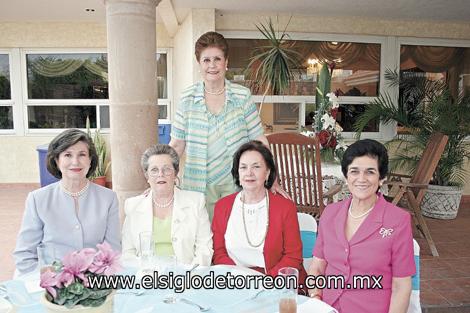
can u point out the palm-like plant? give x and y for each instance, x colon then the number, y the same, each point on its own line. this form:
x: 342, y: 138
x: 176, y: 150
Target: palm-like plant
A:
x: 425, y: 107
x: 273, y: 66
x: 101, y: 150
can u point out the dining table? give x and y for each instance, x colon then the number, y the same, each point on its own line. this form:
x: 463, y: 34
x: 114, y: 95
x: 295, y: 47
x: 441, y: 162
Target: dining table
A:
x: 24, y: 296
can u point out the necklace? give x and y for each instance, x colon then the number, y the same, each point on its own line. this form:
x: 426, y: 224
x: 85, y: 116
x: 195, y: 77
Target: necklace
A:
x: 244, y: 223
x: 164, y: 205
x: 215, y: 93
x: 78, y: 193
x: 360, y: 215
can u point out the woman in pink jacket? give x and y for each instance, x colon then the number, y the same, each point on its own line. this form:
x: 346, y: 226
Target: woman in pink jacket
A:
x: 364, y: 242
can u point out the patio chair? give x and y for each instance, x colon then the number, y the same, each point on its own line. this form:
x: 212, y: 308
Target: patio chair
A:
x: 413, y: 191
x: 308, y: 235
x: 299, y: 170
x: 415, y: 304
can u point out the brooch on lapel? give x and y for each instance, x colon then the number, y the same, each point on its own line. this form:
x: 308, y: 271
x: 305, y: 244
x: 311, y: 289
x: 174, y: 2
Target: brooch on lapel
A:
x: 386, y: 232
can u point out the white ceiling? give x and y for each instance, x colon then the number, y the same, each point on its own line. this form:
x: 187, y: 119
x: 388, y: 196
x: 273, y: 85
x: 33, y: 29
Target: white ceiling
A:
x: 74, y: 10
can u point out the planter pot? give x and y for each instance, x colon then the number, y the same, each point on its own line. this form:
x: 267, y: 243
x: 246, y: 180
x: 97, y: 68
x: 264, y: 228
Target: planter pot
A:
x: 106, y: 307
x: 100, y: 180
x: 441, y: 202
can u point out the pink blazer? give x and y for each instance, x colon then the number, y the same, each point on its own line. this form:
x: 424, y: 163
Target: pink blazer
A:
x: 383, y: 245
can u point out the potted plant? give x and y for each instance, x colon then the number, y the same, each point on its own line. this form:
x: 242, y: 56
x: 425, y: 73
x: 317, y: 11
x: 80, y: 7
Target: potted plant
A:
x: 70, y: 284
x: 99, y: 177
x: 273, y: 66
x: 426, y: 107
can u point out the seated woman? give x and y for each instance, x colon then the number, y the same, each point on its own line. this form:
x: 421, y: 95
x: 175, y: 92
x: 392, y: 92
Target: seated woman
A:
x: 177, y: 218
x: 255, y: 228
x: 365, y: 235
x: 72, y: 213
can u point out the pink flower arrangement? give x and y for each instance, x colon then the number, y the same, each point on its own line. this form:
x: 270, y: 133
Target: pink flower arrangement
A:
x: 66, y: 282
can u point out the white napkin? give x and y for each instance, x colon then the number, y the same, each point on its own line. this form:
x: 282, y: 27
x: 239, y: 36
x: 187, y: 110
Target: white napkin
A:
x: 314, y: 305
x: 5, y: 306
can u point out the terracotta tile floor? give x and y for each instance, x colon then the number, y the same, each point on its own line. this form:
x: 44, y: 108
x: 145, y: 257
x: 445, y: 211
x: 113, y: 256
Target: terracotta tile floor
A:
x: 445, y: 281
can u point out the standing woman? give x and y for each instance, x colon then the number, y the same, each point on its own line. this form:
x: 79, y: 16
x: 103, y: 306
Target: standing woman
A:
x: 365, y: 235
x: 72, y: 213
x: 213, y: 119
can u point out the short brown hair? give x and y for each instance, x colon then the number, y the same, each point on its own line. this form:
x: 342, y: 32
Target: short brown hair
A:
x: 210, y: 39
x: 62, y: 142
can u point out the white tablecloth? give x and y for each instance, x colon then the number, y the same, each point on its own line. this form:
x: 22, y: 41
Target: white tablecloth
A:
x: 220, y: 300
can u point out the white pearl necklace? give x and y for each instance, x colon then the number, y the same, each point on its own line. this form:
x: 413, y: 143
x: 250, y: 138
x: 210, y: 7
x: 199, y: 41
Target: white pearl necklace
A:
x: 78, y: 193
x: 360, y: 215
x: 164, y: 205
x: 242, y: 198
x: 215, y: 93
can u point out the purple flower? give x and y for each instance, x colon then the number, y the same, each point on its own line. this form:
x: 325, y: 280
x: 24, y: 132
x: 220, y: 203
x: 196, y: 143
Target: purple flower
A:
x: 106, y: 260
x: 75, y: 265
x: 49, y: 280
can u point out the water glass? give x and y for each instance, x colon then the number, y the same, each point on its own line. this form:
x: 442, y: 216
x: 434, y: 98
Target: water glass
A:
x: 169, y: 264
x: 147, y: 252
x: 46, y: 256
x: 288, y: 297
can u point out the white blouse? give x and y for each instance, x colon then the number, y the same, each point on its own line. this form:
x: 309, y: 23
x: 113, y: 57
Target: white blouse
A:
x: 238, y: 248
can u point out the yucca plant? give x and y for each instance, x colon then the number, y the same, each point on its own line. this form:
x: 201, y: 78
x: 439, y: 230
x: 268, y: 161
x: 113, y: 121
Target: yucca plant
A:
x: 101, y: 151
x: 424, y: 108
x: 272, y: 67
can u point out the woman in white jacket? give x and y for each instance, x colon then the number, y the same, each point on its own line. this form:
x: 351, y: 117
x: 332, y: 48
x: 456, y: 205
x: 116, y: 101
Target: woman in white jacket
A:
x: 177, y: 218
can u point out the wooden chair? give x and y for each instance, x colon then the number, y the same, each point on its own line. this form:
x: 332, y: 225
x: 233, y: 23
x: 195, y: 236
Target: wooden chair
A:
x: 413, y: 190
x: 299, y: 170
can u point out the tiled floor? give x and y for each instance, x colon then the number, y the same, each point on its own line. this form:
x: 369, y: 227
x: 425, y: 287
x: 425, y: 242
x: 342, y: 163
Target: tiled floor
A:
x: 445, y: 281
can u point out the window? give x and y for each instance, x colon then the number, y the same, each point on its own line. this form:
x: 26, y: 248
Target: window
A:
x: 63, y: 89
x: 56, y: 81
x: 6, y: 104
x: 162, y: 85
x: 355, y: 78
x: 356, y: 73
x: 450, y: 64
x: 281, y: 114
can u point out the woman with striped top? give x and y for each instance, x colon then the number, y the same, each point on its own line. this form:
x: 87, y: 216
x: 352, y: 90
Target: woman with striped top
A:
x: 213, y: 119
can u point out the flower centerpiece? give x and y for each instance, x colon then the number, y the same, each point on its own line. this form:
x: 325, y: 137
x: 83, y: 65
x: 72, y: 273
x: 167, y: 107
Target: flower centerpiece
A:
x: 71, y: 283
x: 325, y: 125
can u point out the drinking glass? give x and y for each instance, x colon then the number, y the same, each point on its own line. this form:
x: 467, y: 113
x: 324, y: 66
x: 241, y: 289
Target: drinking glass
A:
x: 46, y: 256
x: 147, y: 252
x: 288, y: 297
x: 170, y: 265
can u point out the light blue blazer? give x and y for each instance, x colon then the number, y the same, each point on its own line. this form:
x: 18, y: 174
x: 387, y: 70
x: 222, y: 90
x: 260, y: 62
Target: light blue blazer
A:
x: 50, y: 218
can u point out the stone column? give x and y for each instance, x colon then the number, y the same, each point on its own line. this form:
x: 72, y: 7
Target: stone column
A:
x: 131, y: 35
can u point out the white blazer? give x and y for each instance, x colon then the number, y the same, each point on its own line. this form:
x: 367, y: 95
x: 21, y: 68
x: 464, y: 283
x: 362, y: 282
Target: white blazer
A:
x: 190, y: 227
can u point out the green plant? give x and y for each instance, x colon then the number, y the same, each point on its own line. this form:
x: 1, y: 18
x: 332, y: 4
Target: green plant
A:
x: 69, y: 282
x: 424, y: 108
x: 101, y: 151
x: 272, y: 67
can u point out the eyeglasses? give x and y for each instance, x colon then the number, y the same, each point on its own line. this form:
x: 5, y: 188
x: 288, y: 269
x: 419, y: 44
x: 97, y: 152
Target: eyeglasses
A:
x: 155, y: 171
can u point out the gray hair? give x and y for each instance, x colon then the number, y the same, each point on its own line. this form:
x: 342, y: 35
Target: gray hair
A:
x: 160, y: 149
